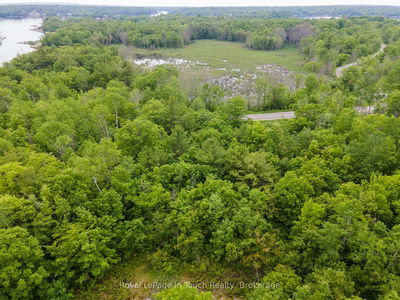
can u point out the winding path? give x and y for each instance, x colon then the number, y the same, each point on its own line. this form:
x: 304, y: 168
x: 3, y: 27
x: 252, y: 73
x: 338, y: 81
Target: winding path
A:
x: 271, y: 116
x: 290, y: 114
x: 340, y: 70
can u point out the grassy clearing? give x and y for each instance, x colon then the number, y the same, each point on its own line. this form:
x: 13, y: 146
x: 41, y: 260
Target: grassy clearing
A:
x: 230, y: 65
x: 219, y: 54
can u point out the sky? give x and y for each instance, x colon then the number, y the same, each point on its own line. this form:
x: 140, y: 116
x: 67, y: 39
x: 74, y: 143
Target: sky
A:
x: 213, y: 2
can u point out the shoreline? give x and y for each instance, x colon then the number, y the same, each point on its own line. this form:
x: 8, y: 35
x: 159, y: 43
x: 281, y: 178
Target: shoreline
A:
x: 34, y: 43
x: 20, y: 17
x: 38, y: 29
x: 35, y: 28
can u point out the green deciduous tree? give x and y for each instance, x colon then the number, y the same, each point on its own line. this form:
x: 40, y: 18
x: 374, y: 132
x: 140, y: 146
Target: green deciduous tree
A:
x: 21, y: 259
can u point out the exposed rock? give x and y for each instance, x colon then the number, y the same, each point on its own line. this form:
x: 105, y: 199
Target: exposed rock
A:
x: 274, y: 69
x: 238, y: 83
x: 151, y: 62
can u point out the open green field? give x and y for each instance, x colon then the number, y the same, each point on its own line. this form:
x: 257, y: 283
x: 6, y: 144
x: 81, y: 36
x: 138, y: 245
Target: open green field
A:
x: 229, y: 65
x: 220, y: 54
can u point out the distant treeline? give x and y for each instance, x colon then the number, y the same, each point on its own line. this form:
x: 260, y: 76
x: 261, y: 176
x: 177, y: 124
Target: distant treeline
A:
x: 326, y: 44
x: 177, y: 31
x: 17, y: 11
x: 294, y: 11
x: 21, y: 11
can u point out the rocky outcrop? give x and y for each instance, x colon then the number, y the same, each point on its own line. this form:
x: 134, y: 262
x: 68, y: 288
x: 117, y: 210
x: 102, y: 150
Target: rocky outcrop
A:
x: 274, y: 69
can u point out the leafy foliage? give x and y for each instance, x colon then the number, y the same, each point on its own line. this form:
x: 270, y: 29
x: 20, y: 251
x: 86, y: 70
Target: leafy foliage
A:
x: 100, y: 161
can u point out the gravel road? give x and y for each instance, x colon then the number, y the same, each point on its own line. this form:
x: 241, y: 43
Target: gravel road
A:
x: 271, y: 116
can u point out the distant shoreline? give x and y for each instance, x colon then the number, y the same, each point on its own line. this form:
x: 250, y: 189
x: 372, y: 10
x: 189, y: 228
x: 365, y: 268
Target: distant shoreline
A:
x: 20, y: 17
x: 38, y: 29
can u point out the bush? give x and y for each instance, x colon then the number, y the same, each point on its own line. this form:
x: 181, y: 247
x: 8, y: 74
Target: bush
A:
x: 183, y: 292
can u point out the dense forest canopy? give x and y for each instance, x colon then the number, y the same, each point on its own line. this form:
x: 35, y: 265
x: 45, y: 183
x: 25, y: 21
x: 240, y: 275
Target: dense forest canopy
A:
x: 102, y: 161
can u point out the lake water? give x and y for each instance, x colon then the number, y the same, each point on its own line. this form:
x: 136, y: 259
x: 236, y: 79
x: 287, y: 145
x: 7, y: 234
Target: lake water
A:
x: 17, y: 31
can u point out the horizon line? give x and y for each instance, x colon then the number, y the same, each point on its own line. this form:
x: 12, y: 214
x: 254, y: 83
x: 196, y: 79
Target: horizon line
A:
x: 202, y: 6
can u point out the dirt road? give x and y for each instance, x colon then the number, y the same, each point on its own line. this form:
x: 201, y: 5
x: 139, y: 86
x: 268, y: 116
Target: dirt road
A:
x: 340, y: 70
x: 271, y: 116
